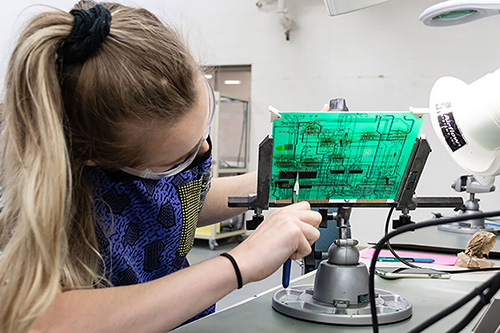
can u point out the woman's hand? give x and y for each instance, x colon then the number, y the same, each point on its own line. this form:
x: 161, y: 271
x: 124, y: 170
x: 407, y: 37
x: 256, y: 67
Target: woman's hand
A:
x: 286, y: 233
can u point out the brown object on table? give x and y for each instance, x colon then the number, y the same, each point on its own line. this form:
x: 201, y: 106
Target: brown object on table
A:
x: 478, y: 246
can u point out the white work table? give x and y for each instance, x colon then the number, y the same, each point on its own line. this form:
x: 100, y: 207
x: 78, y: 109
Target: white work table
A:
x: 428, y: 296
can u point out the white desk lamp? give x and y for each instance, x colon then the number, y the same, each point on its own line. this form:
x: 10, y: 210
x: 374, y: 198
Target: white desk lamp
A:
x: 466, y: 119
x: 455, y: 12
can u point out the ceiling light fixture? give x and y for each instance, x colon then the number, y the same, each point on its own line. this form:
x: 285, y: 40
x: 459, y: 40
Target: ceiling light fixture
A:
x: 230, y: 82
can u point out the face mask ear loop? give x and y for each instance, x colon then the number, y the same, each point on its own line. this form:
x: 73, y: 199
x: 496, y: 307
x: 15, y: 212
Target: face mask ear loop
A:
x: 201, y: 159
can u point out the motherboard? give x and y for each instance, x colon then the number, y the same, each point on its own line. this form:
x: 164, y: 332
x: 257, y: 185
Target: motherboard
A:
x: 341, y: 155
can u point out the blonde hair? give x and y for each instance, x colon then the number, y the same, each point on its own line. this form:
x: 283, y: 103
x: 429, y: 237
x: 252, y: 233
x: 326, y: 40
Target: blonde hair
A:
x: 55, y: 119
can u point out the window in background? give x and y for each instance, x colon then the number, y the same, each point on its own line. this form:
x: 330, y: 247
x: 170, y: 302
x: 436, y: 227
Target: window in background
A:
x: 221, y: 74
x: 233, y: 85
x: 229, y: 133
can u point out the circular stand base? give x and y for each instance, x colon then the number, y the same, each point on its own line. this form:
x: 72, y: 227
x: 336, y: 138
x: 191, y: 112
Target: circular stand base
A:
x: 465, y: 228
x: 298, y: 302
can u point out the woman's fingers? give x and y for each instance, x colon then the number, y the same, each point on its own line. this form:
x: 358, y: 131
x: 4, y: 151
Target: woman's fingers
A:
x: 301, y: 205
x: 309, y: 235
x: 285, y: 233
x: 309, y: 217
x: 302, y: 211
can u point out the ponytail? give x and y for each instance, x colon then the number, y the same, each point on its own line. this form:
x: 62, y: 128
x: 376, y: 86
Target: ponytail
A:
x: 35, y: 176
x: 142, y: 72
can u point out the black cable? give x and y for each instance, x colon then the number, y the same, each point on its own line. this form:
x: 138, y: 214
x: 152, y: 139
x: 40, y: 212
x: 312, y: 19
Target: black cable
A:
x: 388, y: 244
x: 409, y: 264
x: 403, y: 229
x: 474, y: 311
x: 484, y: 299
x: 455, y: 306
x: 395, y: 254
x: 472, y: 270
x: 467, y: 319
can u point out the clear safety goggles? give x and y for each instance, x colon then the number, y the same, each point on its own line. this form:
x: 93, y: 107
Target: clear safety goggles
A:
x: 148, y: 174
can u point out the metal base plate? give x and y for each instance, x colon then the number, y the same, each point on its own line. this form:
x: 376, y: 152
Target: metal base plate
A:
x: 297, y: 302
x: 462, y: 228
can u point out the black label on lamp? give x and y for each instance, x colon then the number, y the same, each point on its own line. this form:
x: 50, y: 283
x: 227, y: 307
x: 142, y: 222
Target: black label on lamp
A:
x: 450, y: 130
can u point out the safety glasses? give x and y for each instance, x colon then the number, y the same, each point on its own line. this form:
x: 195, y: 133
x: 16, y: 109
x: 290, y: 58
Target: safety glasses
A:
x: 148, y: 174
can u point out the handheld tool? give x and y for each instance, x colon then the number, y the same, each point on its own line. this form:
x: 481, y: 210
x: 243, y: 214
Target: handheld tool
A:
x: 287, y: 266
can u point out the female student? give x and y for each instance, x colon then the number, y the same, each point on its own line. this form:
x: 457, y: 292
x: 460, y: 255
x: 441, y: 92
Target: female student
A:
x: 105, y: 171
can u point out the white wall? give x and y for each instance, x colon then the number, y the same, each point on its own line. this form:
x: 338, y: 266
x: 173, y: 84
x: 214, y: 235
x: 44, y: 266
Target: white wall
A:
x: 380, y: 58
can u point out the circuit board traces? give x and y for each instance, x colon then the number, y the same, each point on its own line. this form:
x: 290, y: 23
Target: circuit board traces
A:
x: 341, y: 155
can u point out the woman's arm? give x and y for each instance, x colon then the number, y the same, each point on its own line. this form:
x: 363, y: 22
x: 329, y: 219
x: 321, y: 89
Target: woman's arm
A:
x: 155, y: 306
x: 165, y: 303
x: 215, y: 208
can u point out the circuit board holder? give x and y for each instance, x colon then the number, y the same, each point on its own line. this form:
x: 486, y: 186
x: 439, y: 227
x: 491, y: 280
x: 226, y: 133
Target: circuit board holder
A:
x: 401, y: 191
x: 390, y: 189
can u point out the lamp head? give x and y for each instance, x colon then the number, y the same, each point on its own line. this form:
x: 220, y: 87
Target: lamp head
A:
x: 455, y: 12
x: 466, y: 118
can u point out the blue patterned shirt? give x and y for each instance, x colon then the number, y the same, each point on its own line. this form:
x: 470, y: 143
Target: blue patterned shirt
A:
x: 145, y: 228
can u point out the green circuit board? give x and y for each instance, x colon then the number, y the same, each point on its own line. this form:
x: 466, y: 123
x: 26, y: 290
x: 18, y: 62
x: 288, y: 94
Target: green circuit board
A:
x: 341, y: 155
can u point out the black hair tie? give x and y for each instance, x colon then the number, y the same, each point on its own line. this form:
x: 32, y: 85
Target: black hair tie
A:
x: 90, y: 27
x: 236, y: 268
